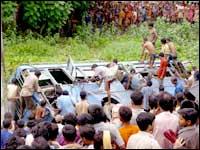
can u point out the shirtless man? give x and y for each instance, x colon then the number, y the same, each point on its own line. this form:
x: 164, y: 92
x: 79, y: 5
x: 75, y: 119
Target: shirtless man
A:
x: 148, y: 49
x: 153, y: 34
x: 172, y: 49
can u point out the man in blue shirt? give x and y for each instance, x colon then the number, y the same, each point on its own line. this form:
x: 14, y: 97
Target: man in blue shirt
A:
x: 178, y: 85
x: 65, y: 103
x: 5, y: 134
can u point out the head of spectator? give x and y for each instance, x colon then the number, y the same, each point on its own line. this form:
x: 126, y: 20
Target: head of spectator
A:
x: 179, y: 97
x: 161, y: 88
x: 20, y: 132
x: 125, y: 114
x: 166, y: 102
x: 163, y: 41
x: 188, y: 117
x: 115, y: 61
x: 7, y: 124
x: 161, y: 55
x: 43, y: 103
x: 37, y: 73
x: 151, y: 25
x: 145, y: 121
x: 53, y: 132
x: 14, y: 142
x: 187, y: 104
x: 20, y: 123
x: 137, y: 98
x: 132, y: 71
x: 188, y: 95
x: 84, y: 119
x: 31, y: 117
x: 153, y: 103
x: 30, y: 124
x: 94, y: 66
x: 69, y: 132
x: 40, y: 143
x: 149, y: 83
x: 24, y: 147
x: 83, y: 95
x: 40, y: 130
x: 174, y: 80
x: 87, y: 133
x: 14, y: 81
x: 102, y: 140
x: 70, y: 118
x: 96, y: 112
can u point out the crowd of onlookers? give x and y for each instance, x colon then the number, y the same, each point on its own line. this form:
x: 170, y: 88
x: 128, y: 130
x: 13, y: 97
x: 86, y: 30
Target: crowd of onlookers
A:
x: 126, y: 13
x: 152, y: 120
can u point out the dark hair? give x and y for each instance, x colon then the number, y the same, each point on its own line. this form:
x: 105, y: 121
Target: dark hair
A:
x: 149, y: 83
x: 161, y: 88
x: 40, y: 143
x: 173, y: 79
x: 14, y: 142
x: 6, y: 123
x: 145, y: 39
x: 87, y: 131
x: 83, y: 95
x: 59, y: 92
x: 14, y: 81
x: 96, y: 112
x: 8, y: 115
x: 20, y: 132
x: 168, y: 39
x: 84, y: 119
x: 179, y: 97
x: 65, y: 92
x: 53, y: 132
x: 189, y: 114
x: 37, y: 73
x: 137, y: 98
x: 69, y: 132
x: 188, y: 95
x: 70, y: 118
x: 166, y: 101
x: 24, y: 147
x: 163, y: 41
x: 115, y: 61
x: 20, y: 123
x: 40, y: 130
x: 43, y: 103
x: 161, y: 54
x: 31, y: 123
x: 132, y: 70
x: 187, y: 104
x: 98, y: 140
x: 153, y: 101
x: 125, y: 113
x: 150, y: 24
x: 94, y: 66
x: 144, y: 119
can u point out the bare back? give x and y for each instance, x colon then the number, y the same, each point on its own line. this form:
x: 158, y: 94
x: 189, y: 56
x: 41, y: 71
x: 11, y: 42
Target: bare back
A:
x: 149, y: 46
x: 172, y: 48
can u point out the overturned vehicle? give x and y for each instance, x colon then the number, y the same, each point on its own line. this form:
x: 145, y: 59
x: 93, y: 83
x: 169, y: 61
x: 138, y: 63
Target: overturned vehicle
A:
x: 71, y: 77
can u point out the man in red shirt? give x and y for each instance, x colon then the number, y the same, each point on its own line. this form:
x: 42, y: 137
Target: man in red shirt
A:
x: 163, y: 68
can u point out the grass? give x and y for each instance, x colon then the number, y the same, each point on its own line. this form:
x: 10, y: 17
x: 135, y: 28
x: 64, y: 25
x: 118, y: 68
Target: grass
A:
x: 85, y: 45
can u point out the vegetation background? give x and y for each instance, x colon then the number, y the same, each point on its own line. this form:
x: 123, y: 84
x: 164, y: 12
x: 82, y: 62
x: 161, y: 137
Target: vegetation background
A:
x: 32, y: 34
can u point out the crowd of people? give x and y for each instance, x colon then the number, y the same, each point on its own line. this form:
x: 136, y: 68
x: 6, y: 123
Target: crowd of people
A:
x: 125, y: 13
x: 152, y: 120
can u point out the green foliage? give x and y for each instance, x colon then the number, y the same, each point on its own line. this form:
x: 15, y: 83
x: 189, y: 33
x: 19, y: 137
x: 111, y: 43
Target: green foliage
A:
x: 8, y: 18
x: 46, y: 16
x: 109, y: 44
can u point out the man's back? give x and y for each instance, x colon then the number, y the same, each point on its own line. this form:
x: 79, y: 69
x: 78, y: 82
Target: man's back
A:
x: 82, y: 107
x: 30, y: 85
x: 65, y: 103
x: 163, y: 122
x: 149, y: 46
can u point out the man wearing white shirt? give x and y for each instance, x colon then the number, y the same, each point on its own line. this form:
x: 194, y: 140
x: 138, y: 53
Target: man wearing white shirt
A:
x: 144, y: 138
